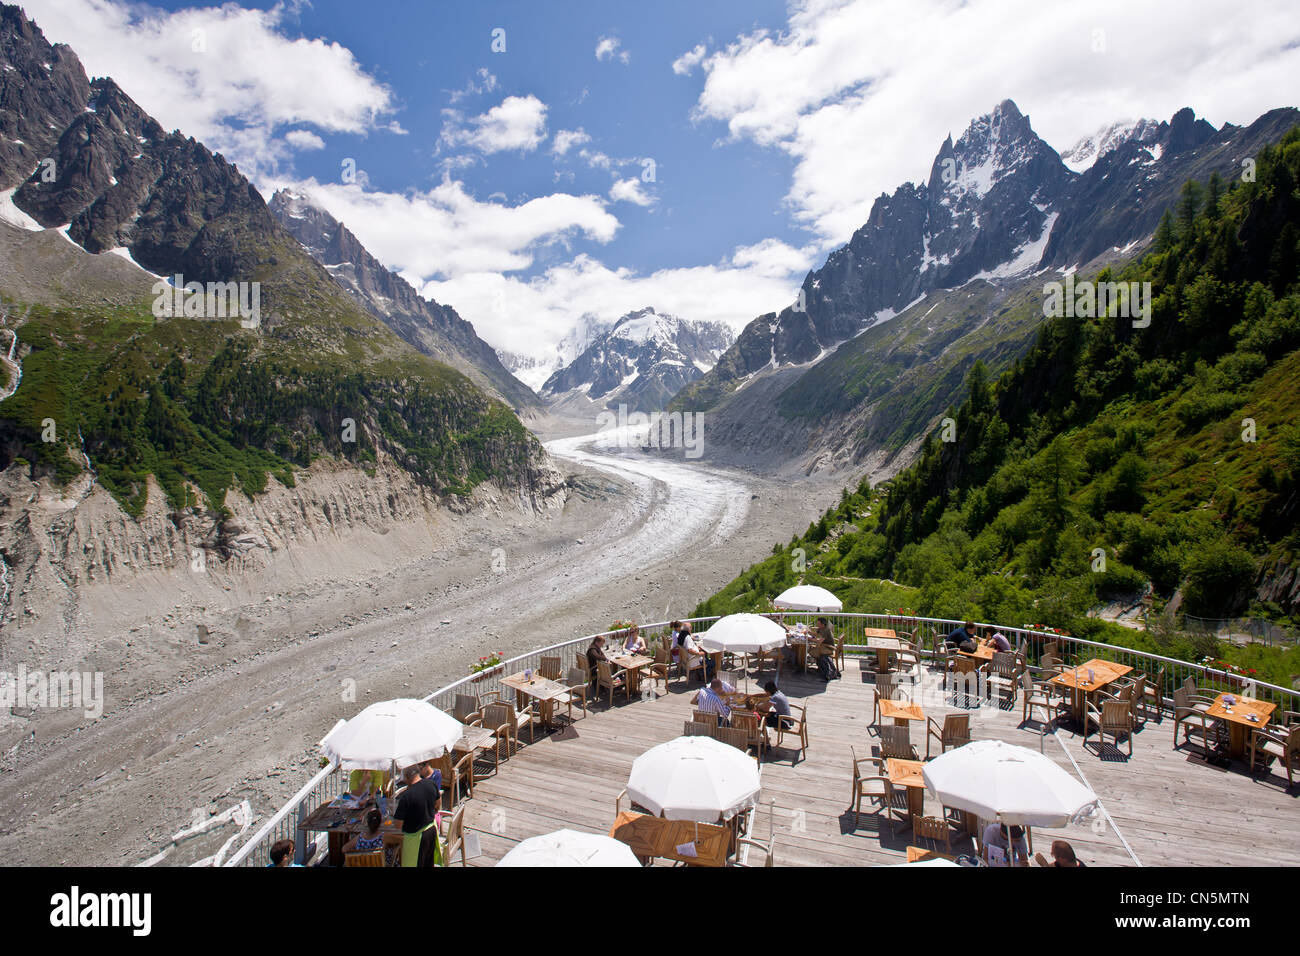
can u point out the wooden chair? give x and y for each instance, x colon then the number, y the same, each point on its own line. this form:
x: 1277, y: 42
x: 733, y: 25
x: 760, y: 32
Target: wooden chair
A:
x: 1285, y: 747
x: 364, y: 858
x: 1137, y: 693
x: 688, y: 664
x: 886, y: 689
x: 455, y: 773
x: 658, y: 671
x: 1038, y: 694
x: 878, y: 788
x: 1002, y: 676
x: 454, y: 837
x: 695, y: 728
x: 934, y: 829
x: 1153, y: 696
x: 1192, y: 719
x: 1114, y: 718
x: 550, y: 668
x: 505, y: 722
x: 584, y: 665
x: 752, y: 727
x: 466, y: 709
x: 579, y: 687
x: 732, y: 737
x: 896, y: 742
x: 839, y: 653
x: 794, y: 725
x: 700, y: 717
x: 607, y: 678
x: 955, y: 732
x: 907, y: 666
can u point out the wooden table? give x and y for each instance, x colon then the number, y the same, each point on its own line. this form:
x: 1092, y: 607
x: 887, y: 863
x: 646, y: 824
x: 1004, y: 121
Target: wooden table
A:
x: 901, y: 712
x: 983, y: 652
x: 546, y: 692
x: 909, y: 774
x: 884, y: 642
x: 916, y: 854
x: 475, y: 739
x: 342, y: 823
x: 651, y: 837
x: 632, y: 663
x: 752, y: 702
x: 1238, y: 718
x: 1104, y: 674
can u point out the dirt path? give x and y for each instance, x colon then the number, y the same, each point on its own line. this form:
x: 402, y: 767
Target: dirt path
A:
x: 641, y: 538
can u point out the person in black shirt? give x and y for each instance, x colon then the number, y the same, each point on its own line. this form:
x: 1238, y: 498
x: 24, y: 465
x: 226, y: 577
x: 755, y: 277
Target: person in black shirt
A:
x: 963, y: 637
x: 416, y: 807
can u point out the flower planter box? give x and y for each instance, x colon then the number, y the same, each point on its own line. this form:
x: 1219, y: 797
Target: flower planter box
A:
x: 479, y: 676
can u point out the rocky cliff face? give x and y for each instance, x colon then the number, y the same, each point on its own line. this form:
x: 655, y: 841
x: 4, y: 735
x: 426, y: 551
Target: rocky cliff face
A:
x: 999, y: 204
x: 436, y: 330
x: 643, y: 361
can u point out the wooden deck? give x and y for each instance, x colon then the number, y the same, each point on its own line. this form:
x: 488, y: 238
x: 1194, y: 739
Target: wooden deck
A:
x: 1168, y: 806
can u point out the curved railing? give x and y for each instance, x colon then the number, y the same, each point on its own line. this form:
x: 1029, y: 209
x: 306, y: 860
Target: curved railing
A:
x: 927, y: 632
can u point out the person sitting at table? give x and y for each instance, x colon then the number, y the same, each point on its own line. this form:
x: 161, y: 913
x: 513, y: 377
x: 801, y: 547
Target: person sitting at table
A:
x: 694, y: 651
x: 999, y: 642
x: 1006, y: 840
x: 596, y: 652
x: 417, y: 809
x: 775, y: 708
x: 823, y: 646
x: 710, y: 701
x: 1063, y: 854
x: 635, y: 643
x: 372, y: 839
x: 963, y: 638
x: 282, y: 854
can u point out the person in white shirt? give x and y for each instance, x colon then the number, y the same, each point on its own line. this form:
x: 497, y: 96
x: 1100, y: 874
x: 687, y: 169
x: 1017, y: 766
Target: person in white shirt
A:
x: 697, y: 658
x: 1009, y: 841
x: 635, y: 643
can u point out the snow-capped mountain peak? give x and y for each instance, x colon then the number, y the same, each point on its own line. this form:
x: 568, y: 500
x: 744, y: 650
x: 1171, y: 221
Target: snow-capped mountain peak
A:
x: 642, y: 361
x: 1083, y: 154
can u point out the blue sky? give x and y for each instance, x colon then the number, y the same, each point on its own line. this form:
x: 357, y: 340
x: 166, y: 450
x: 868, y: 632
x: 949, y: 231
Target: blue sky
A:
x: 510, y: 185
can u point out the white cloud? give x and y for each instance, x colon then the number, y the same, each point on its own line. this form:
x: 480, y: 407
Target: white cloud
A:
x: 774, y: 258
x: 529, y: 316
x: 517, y: 123
x: 689, y: 60
x: 861, y: 94
x: 629, y: 190
x: 607, y: 48
x: 482, y: 82
x: 304, y: 139
x: 566, y: 139
x: 224, y: 75
x: 445, y: 232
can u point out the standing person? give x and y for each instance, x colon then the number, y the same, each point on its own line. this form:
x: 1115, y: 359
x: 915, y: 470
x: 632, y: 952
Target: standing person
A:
x: 417, y: 808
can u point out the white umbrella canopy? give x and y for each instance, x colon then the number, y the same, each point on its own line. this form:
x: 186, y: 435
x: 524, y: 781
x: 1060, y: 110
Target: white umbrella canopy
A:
x: 694, y: 778
x: 570, y: 848
x: 808, y: 597
x: 402, y: 732
x: 743, y: 634
x: 1013, y: 785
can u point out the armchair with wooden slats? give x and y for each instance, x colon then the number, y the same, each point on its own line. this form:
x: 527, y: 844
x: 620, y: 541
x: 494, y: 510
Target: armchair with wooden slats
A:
x: 876, y: 786
x: 955, y: 732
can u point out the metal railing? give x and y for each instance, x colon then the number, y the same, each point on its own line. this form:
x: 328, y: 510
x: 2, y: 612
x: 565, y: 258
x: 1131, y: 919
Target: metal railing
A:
x: 928, y: 633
